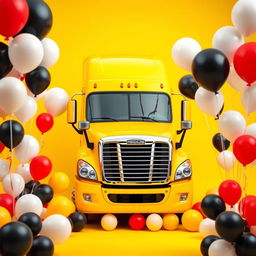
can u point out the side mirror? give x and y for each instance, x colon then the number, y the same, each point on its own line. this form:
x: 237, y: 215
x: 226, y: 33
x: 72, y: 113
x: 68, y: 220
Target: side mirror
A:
x: 72, y: 112
x: 186, y: 122
x: 84, y: 125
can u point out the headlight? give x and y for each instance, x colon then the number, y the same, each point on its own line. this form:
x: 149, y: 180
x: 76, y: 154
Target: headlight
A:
x: 86, y: 171
x: 184, y: 171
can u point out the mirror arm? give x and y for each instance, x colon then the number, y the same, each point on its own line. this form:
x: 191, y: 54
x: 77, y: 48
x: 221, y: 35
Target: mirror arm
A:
x: 179, y: 131
x: 76, y: 129
x: 89, y: 144
x: 179, y: 144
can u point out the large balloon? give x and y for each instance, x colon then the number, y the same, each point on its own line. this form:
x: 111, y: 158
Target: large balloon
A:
x: 251, y: 130
x: 226, y: 160
x: 55, y: 101
x: 27, y: 149
x: 57, y: 228
x: 40, y: 19
x: 5, y: 216
x: 209, y: 102
x: 221, y: 247
x: 210, y: 68
x: 5, y: 64
x: 24, y: 171
x: 212, y: 206
x: 227, y: 39
x: 244, y: 149
x: 246, y: 245
x: 183, y: 52
x: 7, y: 201
x: 25, y: 52
x: 44, y: 122
x: 230, y: 226
x: 51, y: 53
x: 59, y: 182
x: 12, y: 94
x: 28, y: 110
x: 28, y: 203
x: 40, y: 167
x: 220, y: 142
x: 4, y: 168
x: 245, y: 62
x: 230, y: 191
x: 243, y: 16
x: 250, y: 212
x: 188, y: 86
x: 232, y: 124
x: 191, y: 220
x: 206, y: 243
x: 44, y: 192
x: 248, y: 97
x: 13, y: 184
x: 42, y: 246
x: 79, y: 221
x: 207, y: 227
x: 235, y: 80
x: 13, y: 16
x: 16, y: 239
x: 243, y: 204
x: 33, y: 221
x: 38, y: 80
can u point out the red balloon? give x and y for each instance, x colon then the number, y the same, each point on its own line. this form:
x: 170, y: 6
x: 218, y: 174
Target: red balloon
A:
x: 197, y: 207
x: 8, y: 202
x: 230, y: 191
x: 13, y: 16
x: 1, y: 147
x: 244, y: 149
x: 245, y: 62
x: 40, y: 167
x: 137, y: 222
x: 243, y: 203
x: 44, y: 122
x: 250, y: 212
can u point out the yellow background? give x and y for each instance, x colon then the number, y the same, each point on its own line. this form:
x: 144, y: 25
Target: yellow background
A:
x: 136, y: 27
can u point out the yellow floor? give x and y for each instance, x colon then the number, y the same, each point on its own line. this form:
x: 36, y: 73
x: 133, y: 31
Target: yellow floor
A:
x: 124, y: 241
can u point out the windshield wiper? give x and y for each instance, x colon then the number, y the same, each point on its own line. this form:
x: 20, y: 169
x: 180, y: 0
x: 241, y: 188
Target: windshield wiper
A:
x: 105, y: 117
x: 145, y: 117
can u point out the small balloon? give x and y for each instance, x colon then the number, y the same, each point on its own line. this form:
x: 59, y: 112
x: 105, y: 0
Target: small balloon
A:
x: 5, y: 64
x: 42, y: 246
x: 33, y: 221
x: 40, y: 167
x: 5, y: 216
x: 13, y: 184
x: 79, y: 221
x: 109, y: 222
x: 51, y: 52
x: 7, y: 201
x: 207, y: 227
x: 243, y: 204
x: 230, y: 191
x: 250, y: 212
x: 4, y: 168
x: 206, y: 243
x: 191, y: 220
x: 44, y: 192
x: 197, y: 207
x: 27, y: 110
x: 221, y: 247
x: 220, y: 142
x: 248, y: 97
x: 59, y: 182
x: 235, y: 80
x: 188, y: 86
x: 226, y: 160
x: 24, y: 171
x: 44, y: 122
x: 246, y: 245
x: 32, y: 185
x: 170, y: 221
x: 137, y: 222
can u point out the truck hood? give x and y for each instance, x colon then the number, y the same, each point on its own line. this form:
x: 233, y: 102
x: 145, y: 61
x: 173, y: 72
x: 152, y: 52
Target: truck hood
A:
x: 98, y: 131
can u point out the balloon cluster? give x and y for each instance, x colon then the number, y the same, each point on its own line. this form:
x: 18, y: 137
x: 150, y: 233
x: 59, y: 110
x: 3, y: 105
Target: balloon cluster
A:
x: 229, y: 228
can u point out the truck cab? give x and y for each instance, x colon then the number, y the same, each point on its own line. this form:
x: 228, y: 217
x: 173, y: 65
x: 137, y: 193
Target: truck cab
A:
x: 131, y: 158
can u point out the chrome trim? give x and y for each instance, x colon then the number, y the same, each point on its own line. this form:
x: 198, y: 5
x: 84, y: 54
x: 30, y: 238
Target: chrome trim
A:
x: 151, y: 165
x: 120, y: 164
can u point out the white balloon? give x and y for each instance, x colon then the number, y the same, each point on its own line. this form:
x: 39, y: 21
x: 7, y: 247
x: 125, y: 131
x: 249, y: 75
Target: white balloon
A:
x: 244, y: 16
x: 51, y: 52
x: 28, y: 110
x: 209, y: 102
x: 27, y: 149
x: 235, y: 80
x: 221, y: 247
x: 12, y: 94
x: 226, y: 160
x: 248, y: 99
x: 55, y: 101
x: 207, y: 227
x: 25, y: 52
x: 13, y: 184
x: 4, y: 168
x: 183, y: 52
x: 232, y: 124
x: 57, y: 228
x: 28, y: 203
x: 251, y: 130
x: 24, y: 171
x: 227, y: 39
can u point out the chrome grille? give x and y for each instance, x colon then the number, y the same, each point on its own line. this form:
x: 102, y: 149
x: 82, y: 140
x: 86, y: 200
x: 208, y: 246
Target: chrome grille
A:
x: 136, y: 163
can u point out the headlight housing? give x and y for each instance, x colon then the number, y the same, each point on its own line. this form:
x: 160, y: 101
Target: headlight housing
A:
x: 184, y: 171
x: 86, y: 171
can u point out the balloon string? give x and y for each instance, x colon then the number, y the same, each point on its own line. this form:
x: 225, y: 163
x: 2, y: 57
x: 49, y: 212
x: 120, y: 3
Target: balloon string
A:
x: 42, y: 142
x: 11, y: 158
x: 245, y: 180
x: 223, y: 148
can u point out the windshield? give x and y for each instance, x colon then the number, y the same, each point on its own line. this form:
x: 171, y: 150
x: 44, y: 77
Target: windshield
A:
x: 128, y: 106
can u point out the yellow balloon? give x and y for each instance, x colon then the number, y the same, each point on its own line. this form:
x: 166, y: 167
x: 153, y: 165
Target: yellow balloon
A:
x: 109, y: 222
x: 212, y: 191
x: 5, y: 216
x: 59, y: 182
x: 60, y: 205
x: 191, y: 220
x: 170, y: 221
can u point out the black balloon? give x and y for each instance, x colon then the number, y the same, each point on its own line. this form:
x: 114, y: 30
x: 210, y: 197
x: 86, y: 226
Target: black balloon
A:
x: 44, y: 192
x: 40, y: 19
x: 38, y: 80
x: 210, y: 69
x: 5, y: 64
x: 42, y: 246
x: 16, y: 239
x: 220, y: 142
x: 78, y: 220
x: 24, y: 192
x: 246, y: 245
x: 32, y: 185
x: 33, y: 221
x: 212, y: 206
x: 229, y: 225
x: 205, y: 244
x: 11, y: 129
x: 188, y: 86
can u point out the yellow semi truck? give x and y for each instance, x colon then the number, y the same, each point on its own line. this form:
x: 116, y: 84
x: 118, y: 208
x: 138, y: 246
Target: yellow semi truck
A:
x: 131, y: 158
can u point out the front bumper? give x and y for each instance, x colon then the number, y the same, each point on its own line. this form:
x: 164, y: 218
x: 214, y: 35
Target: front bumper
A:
x: 100, y: 202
